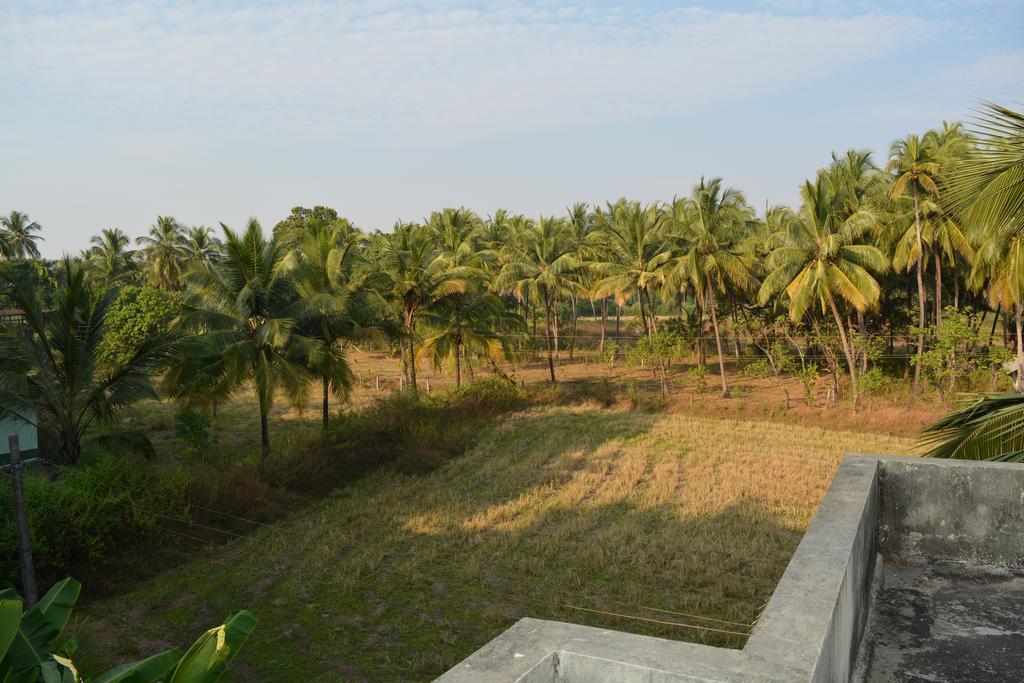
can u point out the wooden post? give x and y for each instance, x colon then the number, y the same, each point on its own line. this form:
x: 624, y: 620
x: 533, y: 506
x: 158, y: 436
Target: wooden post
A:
x: 28, y: 576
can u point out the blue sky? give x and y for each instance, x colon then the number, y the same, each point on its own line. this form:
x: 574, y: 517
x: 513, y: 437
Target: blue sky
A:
x: 119, y: 111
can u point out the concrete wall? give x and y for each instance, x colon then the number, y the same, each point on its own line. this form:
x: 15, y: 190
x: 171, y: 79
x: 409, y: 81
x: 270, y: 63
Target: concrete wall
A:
x: 817, y: 613
x: 28, y: 438
x: 951, y: 510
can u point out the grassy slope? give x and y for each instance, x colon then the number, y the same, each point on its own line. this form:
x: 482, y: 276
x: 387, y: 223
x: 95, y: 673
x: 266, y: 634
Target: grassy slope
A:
x: 400, y: 577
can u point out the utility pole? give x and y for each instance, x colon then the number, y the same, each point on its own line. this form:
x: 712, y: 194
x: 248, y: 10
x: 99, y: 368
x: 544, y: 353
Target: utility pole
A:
x: 28, y: 576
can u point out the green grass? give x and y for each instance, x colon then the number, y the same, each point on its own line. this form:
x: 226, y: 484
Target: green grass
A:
x: 398, y: 577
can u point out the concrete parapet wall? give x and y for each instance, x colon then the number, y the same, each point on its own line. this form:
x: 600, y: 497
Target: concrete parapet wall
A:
x: 817, y: 612
x: 947, y: 510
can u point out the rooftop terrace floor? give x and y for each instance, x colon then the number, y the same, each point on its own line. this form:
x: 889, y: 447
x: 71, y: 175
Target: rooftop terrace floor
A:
x: 942, y: 621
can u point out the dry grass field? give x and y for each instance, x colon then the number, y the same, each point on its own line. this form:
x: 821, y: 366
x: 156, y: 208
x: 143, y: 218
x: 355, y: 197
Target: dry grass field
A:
x: 377, y: 374
x: 582, y: 513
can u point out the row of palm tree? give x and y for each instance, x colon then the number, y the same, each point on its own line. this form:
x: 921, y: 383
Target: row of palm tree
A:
x: 161, y: 261
x: 278, y: 311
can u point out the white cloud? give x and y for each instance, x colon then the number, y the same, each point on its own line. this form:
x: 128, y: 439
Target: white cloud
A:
x: 399, y: 73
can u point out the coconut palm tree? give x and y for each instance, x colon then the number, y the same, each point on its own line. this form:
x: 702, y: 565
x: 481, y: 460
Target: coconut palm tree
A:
x: 824, y: 259
x: 915, y: 170
x: 475, y: 322
x: 634, y: 255
x: 199, y: 244
x: 539, y: 265
x: 17, y: 236
x: 987, y: 186
x: 109, y: 258
x: 986, y: 193
x: 715, y: 257
x: 580, y: 225
x: 418, y: 277
x: 244, y: 311
x: 51, y: 372
x: 989, y: 427
x: 340, y: 303
x: 163, y: 250
x: 456, y: 231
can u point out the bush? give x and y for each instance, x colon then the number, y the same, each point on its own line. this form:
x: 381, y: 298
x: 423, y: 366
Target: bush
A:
x: 808, y: 376
x: 97, y: 519
x: 874, y: 382
x: 83, y: 517
x: 699, y: 376
x: 758, y: 369
x: 193, y: 428
x: 138, y: 315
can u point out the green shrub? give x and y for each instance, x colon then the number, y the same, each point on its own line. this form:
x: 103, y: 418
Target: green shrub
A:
x: 193, y: 428
x: 758, y: 369
x: 83, y: 517
x: 699, y: 376
x: 101, y: 516
x: 808, y: 376
x: 874, y: 382
x: 138, y: 315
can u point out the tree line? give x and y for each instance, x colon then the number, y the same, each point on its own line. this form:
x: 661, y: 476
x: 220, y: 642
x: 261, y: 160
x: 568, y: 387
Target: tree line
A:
x: 876, y: 247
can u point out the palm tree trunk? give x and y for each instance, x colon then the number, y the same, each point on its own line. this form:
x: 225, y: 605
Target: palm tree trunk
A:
x: 554, y: 326
x: 643, y: 311
x: 922, y: 299
x: 650, y: 309
x: 735, y: 330
x: 995, y: 321
x: 547, y: 336
x: 701, y: 356
x: 862, y: 327
x: 412, y: 362
x: 572, y: 332
x: 1020, y: 348
x: 956, y: 290
x: 70, y: 448
x: 718, y: 340
x: 938, y: 290
x: 604, y: 320
x: 264, y: 438
x: 533, y: 337
x: 458, y: 363
x: 326, y: 401
x: 847, y: 350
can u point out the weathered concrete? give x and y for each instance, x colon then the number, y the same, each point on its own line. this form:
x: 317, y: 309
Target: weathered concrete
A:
x: 921, y: 560
x: 945, y: 622
x: 948, y: 510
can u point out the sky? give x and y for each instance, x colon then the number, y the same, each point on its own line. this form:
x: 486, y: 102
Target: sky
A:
x: 117, y: 112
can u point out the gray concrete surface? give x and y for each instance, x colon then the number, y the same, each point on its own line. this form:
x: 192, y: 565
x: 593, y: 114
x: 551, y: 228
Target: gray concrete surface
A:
x: 944, y: 621
x: 911, y: 569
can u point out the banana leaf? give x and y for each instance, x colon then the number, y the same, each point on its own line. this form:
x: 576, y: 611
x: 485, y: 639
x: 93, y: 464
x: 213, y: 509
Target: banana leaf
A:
x: 210, y: 655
